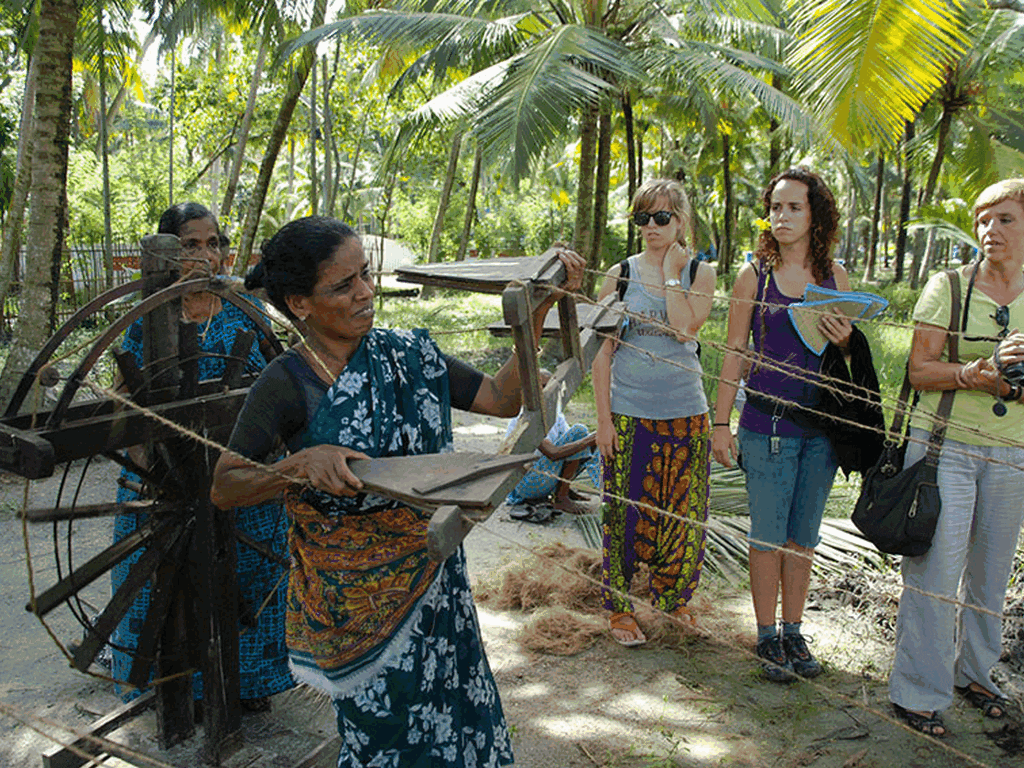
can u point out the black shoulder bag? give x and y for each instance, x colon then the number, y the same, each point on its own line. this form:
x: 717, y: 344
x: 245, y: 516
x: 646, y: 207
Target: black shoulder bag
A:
x: 898, y: 509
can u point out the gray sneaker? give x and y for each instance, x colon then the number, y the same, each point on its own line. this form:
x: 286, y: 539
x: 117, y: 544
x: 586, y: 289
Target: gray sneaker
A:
x: 803, y: 662
x: 777, y: 667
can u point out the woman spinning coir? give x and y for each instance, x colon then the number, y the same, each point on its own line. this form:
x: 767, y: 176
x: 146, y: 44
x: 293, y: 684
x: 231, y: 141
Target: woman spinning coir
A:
x: 389, y: 634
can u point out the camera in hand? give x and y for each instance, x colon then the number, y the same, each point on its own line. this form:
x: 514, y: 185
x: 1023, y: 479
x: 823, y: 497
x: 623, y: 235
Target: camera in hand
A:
x: 1014, y: 375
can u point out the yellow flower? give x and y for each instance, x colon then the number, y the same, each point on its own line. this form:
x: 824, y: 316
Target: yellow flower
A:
x: 762, y: 224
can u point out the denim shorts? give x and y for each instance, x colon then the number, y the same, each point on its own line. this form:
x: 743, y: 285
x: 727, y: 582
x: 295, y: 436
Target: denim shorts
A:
x: 787, y: 490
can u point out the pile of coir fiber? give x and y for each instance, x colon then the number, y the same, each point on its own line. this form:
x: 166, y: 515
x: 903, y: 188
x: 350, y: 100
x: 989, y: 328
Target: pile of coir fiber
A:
x: 561, y: 586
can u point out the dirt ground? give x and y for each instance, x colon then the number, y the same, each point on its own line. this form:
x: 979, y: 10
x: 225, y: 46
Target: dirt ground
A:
x: 700, y: 703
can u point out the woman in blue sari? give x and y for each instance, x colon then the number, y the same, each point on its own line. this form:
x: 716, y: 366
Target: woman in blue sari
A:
x: 390, y: 635
x: 262, y: 655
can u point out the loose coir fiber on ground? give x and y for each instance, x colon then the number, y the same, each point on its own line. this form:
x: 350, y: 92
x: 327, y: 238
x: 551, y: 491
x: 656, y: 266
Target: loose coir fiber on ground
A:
x: 561, y: 586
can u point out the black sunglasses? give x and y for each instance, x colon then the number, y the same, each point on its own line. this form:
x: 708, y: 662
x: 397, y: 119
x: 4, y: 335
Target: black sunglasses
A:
x: 661, y: 218
x: 1002, y: 317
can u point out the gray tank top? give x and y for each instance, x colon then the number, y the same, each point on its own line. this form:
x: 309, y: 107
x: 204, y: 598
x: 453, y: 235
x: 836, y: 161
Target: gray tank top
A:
x: 654, y: 376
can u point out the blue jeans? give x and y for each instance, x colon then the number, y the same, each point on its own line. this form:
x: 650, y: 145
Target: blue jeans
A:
x: 787, y: 490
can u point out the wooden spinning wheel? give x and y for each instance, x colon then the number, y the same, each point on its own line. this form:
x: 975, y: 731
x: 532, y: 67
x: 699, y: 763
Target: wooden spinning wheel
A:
x: 188, y: 548
x: 187, y: 551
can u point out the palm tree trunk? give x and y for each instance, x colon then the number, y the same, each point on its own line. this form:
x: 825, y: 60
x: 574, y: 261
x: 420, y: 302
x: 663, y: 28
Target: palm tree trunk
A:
x: 604, y: 165
x: 328, y: 187
x: 941, y: 140
x: 354, y: 162
x: 51, y: 125
x: 434, y: 254
x: 901, y: 235
x: 314, y: 202
x: 585, y: 195
x: 775, y: 135
x: 869, y: 269
x: 474, y: 186
x: 243, y: 132
x: 725, y: 253
x: 627, y: 116
x: 22, y: 179
x: 170, y: 142
x: 296, y: 83
x: 108, y: 237
x: 849, y: 249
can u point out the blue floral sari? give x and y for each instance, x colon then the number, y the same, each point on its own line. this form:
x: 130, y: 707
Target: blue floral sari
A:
x: 392, y: 636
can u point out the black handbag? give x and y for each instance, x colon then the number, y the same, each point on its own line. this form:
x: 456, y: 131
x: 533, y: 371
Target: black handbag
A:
x: 898, y: 509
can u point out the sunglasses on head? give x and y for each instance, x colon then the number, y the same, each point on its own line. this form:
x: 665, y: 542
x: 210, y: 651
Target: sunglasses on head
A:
x: 661, y: 218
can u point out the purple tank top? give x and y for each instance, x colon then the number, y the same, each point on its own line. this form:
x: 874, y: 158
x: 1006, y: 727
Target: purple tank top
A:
x: 777, y: 341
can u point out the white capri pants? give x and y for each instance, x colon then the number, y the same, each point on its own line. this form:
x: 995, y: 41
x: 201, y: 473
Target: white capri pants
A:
x: 938, y: 644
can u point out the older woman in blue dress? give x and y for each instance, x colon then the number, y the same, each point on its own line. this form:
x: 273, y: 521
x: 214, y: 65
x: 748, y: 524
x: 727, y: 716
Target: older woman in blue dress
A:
x: 262, y: 654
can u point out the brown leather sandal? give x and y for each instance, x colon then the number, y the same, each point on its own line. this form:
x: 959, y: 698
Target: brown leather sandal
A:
x: 626, y: 622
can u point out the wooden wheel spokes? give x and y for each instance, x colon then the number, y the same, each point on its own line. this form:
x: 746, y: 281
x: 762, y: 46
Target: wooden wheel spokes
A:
x: 157, y: 548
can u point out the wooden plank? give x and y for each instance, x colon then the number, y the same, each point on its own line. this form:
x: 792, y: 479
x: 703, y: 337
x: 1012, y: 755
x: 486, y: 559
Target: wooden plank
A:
x: 88, y: 436
x: 485, y: 275
x: 569, y: 320
x: 395, y: 477
x: 25, y: 453
x: 530, y: 428
x: 599, y: 316
x: 447, y: 528
x: 234, y: 366
x: 517, y: 308
x: 324, y: 755
x: 59, y: 756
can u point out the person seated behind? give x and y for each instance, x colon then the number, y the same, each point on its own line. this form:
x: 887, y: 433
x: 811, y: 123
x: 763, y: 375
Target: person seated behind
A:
x: 563, y: 455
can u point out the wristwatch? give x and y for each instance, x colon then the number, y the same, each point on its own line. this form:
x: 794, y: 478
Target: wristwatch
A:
x: 672, y: 283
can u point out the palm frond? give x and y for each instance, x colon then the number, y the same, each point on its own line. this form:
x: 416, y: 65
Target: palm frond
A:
x: 544, y: 89
x: 697, y: 64
x: 867, y: 66
x: 450, y: 40
x: 944, y: 228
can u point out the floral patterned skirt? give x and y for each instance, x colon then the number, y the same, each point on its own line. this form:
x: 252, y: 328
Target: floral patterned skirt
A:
x: 434, y: 702
x: 661, y: 464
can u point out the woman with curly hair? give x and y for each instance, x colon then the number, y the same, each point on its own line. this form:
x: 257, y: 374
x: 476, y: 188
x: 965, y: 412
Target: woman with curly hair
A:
x: 789, y: 464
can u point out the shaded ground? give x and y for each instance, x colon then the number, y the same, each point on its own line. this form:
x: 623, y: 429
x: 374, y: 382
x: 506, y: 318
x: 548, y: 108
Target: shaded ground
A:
x: 700, y: 703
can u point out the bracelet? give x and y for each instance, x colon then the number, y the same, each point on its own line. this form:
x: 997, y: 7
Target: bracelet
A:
x: 721, y: 424
x: 1016, y: 390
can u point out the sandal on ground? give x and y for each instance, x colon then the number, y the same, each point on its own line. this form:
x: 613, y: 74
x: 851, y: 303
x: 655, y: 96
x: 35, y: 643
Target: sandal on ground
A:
x: 626, y: 622
x: 684, y: 615
x: 990, y: 705
x: 261, y: 704
x: 930, y: 723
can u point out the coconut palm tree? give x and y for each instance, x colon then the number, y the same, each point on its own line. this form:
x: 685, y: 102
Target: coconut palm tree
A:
x: 58, y: 20
x: 520, y: 77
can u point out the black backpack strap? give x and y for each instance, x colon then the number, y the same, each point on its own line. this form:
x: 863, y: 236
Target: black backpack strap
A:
x: 694, y: 264
x: 623, y: 281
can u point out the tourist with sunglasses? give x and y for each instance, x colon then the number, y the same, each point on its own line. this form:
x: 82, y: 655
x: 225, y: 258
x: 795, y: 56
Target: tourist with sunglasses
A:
x: 939, y: 647
x: 652, y: 414
x: 790, y: 463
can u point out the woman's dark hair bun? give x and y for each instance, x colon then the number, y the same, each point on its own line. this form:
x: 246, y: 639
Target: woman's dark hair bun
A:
x: 254, y: 279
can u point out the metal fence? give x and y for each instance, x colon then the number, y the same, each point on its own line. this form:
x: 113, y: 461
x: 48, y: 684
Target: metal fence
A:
x: 83, y: 278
